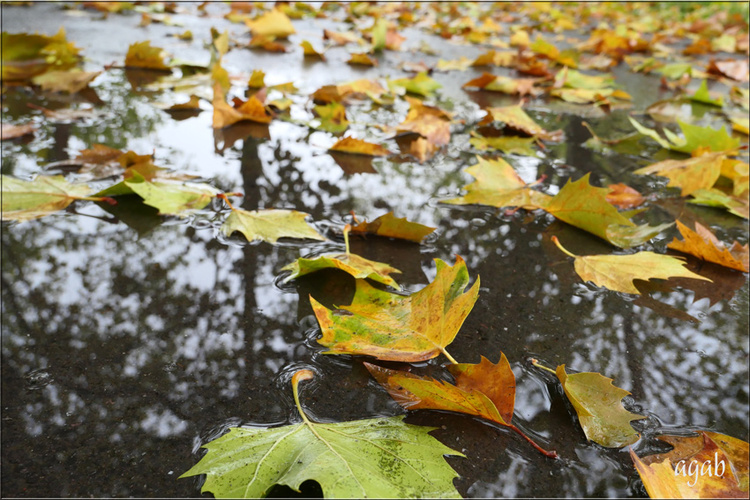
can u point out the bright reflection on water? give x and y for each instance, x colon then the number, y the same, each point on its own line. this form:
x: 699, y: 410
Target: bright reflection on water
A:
x: 126, y: 345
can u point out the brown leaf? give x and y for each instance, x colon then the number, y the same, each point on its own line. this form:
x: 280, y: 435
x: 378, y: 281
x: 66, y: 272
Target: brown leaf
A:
x: 703, y: 244
x: 226, y: 115
x: 624, y: 196
x: 357, y: 146
x: 430, y: 122
x: 734, y: 69
x: 15, y: 131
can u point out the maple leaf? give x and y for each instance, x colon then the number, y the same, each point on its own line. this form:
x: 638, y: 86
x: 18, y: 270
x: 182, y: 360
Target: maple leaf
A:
x: 226, y: 115
x: 273, y: 23
x: 667, y: 475
x: 268, y: 225
x: 25, y: 200
x: 586, y: 96
x: 350, y: 263
x: 350, y: 145
x: 417, y: 146
x: 142, y: 55
x: 362, y: 59
x: 505, y: 84
x: 498, y: 185
x: 734, y: 69
x: 715, y: 198
x: 332, y: 117
x: 516, y: 118
x: 389, y: 226
x: 309, y: 51
x: 690, y: 175
x: 617, y: 272
x: 573, y: 79
x: 486, y: 390
x: 341, y: 38
x: 428, y: 121
x: 25, y: 56
x: 701, y: 95
x: 495, y: 58
x: 694, y: 137
x: 420, y: 84
x: 247, y: 462
x: 397, y: 328
x: 624, y: 196
x: 507, y: 144
x: 69, y: 82
x: 598, y: 404
x: 705, y: 245
x: 586, y: 207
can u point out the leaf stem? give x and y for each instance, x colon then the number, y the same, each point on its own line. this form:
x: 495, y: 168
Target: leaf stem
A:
x: 102, y: 199
x: 298, y: 377
x: 347, y: 228
x: 447, y: 355
x: 539, y: 365
x: 549, y: 454
x: 223, y: 196
x: 559, y: 245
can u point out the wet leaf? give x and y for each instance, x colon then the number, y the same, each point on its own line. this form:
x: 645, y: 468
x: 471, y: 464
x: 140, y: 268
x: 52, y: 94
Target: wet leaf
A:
x: 690, y: 175
x: 740, y: 124
x: 715, y: 198
x: 523, y: 146
x: 332, y: 117
x: 498, y: 185
x: 362, y: 59
x: 598, y: 404
x: 705, y: 245
x: 617, y: 272
x: 169, y: 197
x: 702, y: 95
x: 734, y: 69
x: 570, y: 78
x: 309, y: 51
x: 586, y: 207
x: 25, y: 200
x: 225, y: 115
x: 428, y: 121
x: 624, y: 196
x: 350, y: 263
x: 272, y: 24
x: 25, y: 56
x: 389, y: 226
x: 350, y: 145
x: 416, y: 146
x: 10, y: 131
x: 420, y: 84
x: 505, y: 84
x: 397, y: 328
x: 269, y: 225
x: 247, y: 462
x: 709, y: 465
x: 587, y: 96
x: 516, y: 118
x: 694, y: 137
x: 142, y: 55
x: 495, y: 58
x: 65, y: 81
x: 353, y: 164
x: 341, y: 38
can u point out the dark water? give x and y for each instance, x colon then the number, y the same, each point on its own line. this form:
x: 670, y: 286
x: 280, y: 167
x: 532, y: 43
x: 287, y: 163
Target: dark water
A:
x: 128, y: 341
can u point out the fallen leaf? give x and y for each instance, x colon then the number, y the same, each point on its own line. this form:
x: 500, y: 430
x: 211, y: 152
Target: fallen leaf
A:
x: 389, y: 226
x: 350, y: 145
x: 715, y: 198
x: 516, y: 118
x: 690, y: 175
x: 350, y: 263
x: 353, y: 164
x: 332, y: 117
x: 257, y: 79
x: 25, y: 200
x: 226, y: 115
x: 586, y: 207
x: 273, y: 23
x: 694, y: 137
x: 309, y: 51
x: 598, y: 404
x: 143, y: 56
x: 507, y: 144
x: 397, y: 328
x: 486, y: 390
x: 624, y: 196
x: 617, y: 272
x: 703, y: 244
x: 362, y: 59
x: 70, y: 82
x: 505, y: 84
x: 428, y: 121
x: 417, y: 146
x: 701, y: 95
x: 736, y: 69
x: 494, y: 58
x: 25, y: 56
x: 420, y: 84
x: 570, y: 78
x: 269, y: 225
x: 498, y: 185
x: 587, y: 96
x: 10, y: 131
x: 267, y: 43
x: 247, y: 462
x: 341, y: 38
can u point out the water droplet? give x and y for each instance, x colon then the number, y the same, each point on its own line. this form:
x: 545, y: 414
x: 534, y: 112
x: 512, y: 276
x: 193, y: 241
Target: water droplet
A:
x: 36, y: 379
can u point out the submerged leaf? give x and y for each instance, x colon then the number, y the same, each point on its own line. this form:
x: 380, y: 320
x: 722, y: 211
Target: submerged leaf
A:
x: 598, y: 404
x: 25, y: 200
x: 397, y: 328
x: 269, y: 225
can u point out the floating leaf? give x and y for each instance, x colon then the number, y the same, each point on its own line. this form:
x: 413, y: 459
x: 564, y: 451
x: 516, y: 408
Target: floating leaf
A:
x: 705, y: 245
x: 715, y: 198
x: 624, y: 196
x: 25, y: 200
x: 351, y: 145
x: 332, y: 117
x: 498, y: 185
x: 617, y: 272
x: 486, y: 390
x: 247, y: 462
x: 269, y: 225
x: 428, y: 121
x: 389, y: 226
x: 169, y: 197
x: 420, y: 84
x: 225, y: 115
x: 507, y: 144
x: 694, y: 137
x: 309, y: 51
x: 25, y: 56
x: 586, y: 207
x: 142, y: 55
x: 701, y: 95
x: 573, y: 79
x: 505, y: 84
x: 65, y: 81
x: 350, y: 263
x: 700, y: 172
x: 516, y: 118
x: 273, y: 23
x: 397, y: 328
x: 586, y: 96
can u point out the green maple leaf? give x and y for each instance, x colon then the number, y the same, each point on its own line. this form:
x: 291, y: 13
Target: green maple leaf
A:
x: 694, y: 137
x: 26, y: 200
x: 269, y: 225
x: 357, y: 266
x: 374, y: 458
x: 420, y: 84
